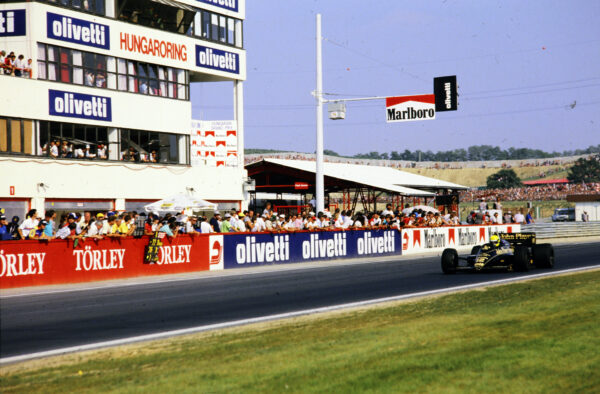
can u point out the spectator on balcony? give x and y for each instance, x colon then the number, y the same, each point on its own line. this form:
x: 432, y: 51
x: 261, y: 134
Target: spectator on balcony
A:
x: 101, y: 152
x: 88, y: 153
x: 19, y: 66
x: 95, y: 230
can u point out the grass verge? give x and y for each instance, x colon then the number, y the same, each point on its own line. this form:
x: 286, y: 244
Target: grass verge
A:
x: 537, y: 336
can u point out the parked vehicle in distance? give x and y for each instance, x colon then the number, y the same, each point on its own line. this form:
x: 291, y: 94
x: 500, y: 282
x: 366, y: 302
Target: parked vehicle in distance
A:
x: 564, y: 215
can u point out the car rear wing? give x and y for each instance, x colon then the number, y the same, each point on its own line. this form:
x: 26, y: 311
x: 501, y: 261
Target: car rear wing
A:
x: 527, y: 239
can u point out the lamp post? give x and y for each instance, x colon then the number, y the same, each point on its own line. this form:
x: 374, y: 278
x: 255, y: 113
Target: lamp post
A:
x: 320, y: 179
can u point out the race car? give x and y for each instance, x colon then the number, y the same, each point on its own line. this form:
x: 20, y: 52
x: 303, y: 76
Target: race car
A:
x: 513, y: 252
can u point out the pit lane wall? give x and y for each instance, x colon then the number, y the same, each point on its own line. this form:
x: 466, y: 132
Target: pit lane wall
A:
x: 37, y: 263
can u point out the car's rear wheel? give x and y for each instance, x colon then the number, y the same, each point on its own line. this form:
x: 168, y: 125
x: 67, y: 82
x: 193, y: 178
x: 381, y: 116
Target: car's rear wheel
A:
x: 476, y: 249
x: 449, y: 261
x: 521, y: 258
x: 543, y: 256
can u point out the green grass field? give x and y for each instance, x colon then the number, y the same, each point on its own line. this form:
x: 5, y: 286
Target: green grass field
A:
x: 537, y: 336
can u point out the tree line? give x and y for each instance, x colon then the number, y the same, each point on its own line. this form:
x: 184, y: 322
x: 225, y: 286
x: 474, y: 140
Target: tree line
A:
x: 472, y: 153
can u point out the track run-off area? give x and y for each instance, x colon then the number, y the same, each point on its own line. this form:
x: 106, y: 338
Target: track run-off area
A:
x: 41, y: 322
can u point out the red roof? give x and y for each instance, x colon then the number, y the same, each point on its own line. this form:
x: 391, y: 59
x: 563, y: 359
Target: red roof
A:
x: 545, y: 181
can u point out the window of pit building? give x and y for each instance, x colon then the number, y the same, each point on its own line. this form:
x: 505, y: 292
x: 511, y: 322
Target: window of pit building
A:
x: 219, y: 28
x: 106, y: 72
x: 60, y: 140
x: 16, y: 136
x: 96, y: 7
x: 164, y: 15
x: 152, y: 147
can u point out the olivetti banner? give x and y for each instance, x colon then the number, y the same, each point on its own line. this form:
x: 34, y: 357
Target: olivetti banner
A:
x: 243, y: 250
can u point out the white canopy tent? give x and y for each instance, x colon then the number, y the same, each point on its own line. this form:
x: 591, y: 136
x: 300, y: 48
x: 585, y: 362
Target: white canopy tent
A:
x: 180, y: 203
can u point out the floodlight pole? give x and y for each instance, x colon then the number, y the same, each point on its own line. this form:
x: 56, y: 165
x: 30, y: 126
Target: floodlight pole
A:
x: 320, y: 179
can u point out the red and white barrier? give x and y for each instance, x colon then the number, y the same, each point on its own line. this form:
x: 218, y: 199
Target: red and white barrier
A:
x: 436, y: 239
x: 37, y: 263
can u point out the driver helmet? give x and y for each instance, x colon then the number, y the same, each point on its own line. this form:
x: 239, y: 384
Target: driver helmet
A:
x: 495, y: 240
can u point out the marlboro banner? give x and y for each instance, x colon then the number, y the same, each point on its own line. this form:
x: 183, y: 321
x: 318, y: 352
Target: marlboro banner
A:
x: 409, y: 108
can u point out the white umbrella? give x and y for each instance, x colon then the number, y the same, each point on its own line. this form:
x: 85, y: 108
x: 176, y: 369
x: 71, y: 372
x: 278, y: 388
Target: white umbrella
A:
x: 178, y: 203
x: 425, y: 208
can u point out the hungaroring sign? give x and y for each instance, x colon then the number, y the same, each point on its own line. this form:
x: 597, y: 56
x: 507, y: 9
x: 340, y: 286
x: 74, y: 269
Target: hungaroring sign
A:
x: 410, y: 108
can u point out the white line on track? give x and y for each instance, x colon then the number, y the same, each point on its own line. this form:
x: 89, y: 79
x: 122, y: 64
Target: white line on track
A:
x: 262, y: 319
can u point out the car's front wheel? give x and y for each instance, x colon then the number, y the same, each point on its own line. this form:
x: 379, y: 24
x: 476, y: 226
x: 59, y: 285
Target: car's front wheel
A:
x: 521, y: 258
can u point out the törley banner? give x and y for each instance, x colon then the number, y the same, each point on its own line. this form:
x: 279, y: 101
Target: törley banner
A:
x: 410, y: 108
x: 37, y: 263
x: 423, y: 239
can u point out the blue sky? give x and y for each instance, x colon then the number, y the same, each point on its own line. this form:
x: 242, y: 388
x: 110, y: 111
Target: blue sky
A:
x: 528, y: 73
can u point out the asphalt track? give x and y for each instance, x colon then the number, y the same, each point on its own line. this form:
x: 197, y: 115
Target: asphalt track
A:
x: 32, y: 322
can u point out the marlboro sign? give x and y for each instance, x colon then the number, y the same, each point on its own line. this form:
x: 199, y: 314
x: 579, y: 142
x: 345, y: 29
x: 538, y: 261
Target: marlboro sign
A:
x: 409, y: 108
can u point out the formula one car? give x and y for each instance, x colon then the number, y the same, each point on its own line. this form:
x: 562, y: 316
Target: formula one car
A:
x: 513, y: 252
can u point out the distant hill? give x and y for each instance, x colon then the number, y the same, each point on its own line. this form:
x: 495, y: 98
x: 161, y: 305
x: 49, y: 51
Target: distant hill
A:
x: 472, y: 153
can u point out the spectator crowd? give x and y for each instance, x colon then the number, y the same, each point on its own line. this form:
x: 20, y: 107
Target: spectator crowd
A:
x: 12, y: 64
x: 77, y: 226
x: 531, y: 193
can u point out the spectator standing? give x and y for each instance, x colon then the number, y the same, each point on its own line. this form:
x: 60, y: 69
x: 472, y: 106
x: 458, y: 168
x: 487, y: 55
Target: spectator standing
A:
x: 226, y: 225
x: 215, y: 222
x: 28, y: 224
x: 5, y: 234
x: 585, y: 217
x: 483, y: 205
x: 50, y: 227
x: 19, y: 66
x: 387, y: 210
x: 519, y: 217
x: 529, y: 218
x: 205, y: 228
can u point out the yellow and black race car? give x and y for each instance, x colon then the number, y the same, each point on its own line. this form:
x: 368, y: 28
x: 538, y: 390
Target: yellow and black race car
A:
x: 513, y: 252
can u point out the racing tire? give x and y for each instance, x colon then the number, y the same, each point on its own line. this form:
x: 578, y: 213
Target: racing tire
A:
x: 449, y: 261
x: 476, y: 249
x: 543, y: 255
x: 521, y: 255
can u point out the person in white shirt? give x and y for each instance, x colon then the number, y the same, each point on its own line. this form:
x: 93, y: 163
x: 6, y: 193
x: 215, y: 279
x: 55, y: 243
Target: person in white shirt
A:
x: 260, y: 223
x: 78, y: 153
x: 519, y: 217
x: 387, y: 211
x: 101, y: 152
x: 31, y: 221
x: 54, y: 149
x: 240, y: 224
x: 88, y: 154
x: 205, y: 227
x: 95, y: 230
x: 190, y: 225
